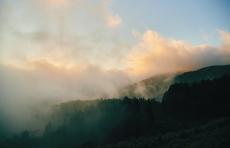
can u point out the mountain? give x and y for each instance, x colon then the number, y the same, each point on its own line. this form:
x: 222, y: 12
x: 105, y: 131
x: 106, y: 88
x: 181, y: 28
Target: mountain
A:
x: 207, y: 73
x: 156, y: 86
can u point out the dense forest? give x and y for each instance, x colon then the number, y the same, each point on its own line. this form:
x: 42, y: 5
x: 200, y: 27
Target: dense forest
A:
x: 205, y: 99
x: 190, y: 115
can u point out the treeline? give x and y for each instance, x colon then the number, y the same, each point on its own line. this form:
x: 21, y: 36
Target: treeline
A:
x: 204, y: 99
x: 92, y: 123
x: 105, y: 121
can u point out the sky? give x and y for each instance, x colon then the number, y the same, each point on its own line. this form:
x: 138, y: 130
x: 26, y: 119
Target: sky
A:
x: 196, y: 21
x: 61, y: 50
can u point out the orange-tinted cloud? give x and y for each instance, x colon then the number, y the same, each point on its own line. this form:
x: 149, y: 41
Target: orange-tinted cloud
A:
x: 155, y: 54
x: 114, y: 21
x: 57, y: 2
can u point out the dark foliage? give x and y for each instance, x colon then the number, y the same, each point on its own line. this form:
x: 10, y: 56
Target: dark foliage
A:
x: 91, y: 123
x: 212, y: 134
x: 205, y: 99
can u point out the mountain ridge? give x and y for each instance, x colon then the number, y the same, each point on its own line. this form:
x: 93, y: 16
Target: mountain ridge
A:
x: 156, y: 86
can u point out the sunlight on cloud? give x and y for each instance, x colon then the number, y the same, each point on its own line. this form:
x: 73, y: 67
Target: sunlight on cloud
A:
x: 226, y: 38
x: 155, y: 54
x: 58, y: 2
x: 114, y: 21
x: 61, y: 34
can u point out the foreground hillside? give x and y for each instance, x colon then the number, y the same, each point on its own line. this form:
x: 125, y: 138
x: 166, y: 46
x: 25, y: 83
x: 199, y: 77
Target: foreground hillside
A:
x: 212, y: 134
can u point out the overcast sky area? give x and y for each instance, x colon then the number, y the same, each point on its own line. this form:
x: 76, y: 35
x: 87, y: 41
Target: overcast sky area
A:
x: 60, y: 50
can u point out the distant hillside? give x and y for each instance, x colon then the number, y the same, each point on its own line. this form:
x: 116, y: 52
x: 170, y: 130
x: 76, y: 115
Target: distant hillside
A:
x: 207, y: 73
x: 153, y: 87
x: 156, y: 86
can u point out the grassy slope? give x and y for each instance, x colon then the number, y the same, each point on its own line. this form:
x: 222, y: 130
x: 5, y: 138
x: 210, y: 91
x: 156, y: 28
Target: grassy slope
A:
x: 212, y: 134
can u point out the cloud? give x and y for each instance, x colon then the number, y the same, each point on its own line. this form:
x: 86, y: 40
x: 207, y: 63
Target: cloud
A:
x: 58, y: 3
x: 76, y: 31
x: 154, y: 54
x: 225, y: 36
x: 28, y: 90
x: 114, y: 21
